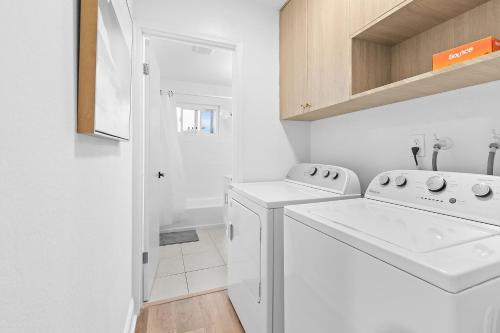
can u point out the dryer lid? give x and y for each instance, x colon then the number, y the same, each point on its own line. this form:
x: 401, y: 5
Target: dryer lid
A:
x: 451, y: 253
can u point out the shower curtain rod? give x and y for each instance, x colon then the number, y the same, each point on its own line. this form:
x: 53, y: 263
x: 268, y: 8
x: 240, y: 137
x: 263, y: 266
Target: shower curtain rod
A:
x: 170, y: 92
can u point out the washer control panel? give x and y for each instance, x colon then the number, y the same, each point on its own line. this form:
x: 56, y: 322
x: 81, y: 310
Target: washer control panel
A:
x: 328, y: 177
x: 470, y: 196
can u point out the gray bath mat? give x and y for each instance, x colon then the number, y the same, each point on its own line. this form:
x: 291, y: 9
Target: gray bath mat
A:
x: 178, y: 237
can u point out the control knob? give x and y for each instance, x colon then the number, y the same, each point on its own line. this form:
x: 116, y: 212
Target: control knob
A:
x: 401, y: 181
x: 326, y: 173
x: 436, y: 184
x: 481, y: 190
x: 313, y: 171
x: 335, y: 174
x: 384, y: 180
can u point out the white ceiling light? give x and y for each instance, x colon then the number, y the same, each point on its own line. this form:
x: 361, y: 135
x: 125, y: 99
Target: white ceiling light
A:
x: 202, y: 50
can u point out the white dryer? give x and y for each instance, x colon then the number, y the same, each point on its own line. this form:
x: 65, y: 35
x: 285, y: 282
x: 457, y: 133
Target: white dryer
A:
x: 419, y: 254
x: 255, y: 256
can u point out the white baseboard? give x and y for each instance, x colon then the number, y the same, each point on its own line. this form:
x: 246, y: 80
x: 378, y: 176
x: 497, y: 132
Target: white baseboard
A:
x: 134, y: 322
x: 131, y: 319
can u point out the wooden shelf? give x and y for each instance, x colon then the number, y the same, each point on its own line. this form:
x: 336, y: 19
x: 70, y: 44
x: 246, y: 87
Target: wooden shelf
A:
x: 391, y: 57
x: 469, y: 73
x: 413, y: 17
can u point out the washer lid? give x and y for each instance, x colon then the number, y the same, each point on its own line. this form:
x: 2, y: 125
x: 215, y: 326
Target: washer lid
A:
x: 281, y: 193
x: 407, y: 228
x: 451, y: 253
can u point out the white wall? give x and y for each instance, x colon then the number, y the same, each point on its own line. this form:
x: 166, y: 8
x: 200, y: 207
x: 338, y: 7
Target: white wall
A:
x: 206, y: 158
x: 65, y: 199
x: 267, y: 147
x: 376, y: 140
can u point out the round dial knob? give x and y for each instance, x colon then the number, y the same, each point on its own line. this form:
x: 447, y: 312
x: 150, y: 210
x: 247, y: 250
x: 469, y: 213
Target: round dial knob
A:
x: 313, y: 171
x: 436, y: 183
x: 335, y: 175
x: 401, y: 181
x: 481, y: 190
x: 384, y: 180
x: 326, y: 173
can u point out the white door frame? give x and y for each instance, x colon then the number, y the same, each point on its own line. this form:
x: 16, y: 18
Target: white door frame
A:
x: 138, y: 134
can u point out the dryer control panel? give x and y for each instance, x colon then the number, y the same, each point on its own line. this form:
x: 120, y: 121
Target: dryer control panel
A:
x: 470, y: 196
x: 327, y: 177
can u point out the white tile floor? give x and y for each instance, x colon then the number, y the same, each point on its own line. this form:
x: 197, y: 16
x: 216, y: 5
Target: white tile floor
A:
x: 192, y: 267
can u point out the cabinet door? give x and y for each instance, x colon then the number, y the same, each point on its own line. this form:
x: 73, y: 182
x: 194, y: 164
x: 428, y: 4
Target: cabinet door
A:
x: 329, y: 73
x: 293, y: 58
x: 363, y: 12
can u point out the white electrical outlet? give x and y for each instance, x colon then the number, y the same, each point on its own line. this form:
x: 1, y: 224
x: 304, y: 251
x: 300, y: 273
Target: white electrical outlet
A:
x: 418, y: 140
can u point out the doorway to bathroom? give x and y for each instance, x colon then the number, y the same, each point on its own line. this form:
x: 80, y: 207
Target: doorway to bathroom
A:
x: 189, y: 159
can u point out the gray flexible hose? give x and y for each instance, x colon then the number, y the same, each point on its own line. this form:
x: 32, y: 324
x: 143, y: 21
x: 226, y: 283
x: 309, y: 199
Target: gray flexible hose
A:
x: 434, y: 160
x: 491, y: 162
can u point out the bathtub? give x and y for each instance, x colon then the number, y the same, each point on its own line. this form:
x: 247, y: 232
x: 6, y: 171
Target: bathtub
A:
x: 200, y: 213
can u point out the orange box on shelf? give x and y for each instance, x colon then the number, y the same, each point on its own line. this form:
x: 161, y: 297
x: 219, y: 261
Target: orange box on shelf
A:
x: 465, y: 52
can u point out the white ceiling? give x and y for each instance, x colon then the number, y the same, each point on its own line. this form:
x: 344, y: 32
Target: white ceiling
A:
x: 178, y: 62
x: 277, y: 4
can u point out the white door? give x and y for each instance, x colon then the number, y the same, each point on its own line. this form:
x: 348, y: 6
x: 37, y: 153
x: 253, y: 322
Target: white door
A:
x: 155, y: 173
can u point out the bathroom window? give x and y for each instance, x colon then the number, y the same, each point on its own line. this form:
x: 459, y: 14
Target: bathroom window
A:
x: 197, y: 119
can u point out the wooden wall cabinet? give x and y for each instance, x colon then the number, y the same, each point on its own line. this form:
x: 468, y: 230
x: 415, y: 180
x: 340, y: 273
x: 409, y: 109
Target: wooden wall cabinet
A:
x: 293, y: 58
x: 368, y: 53
x: 314, y: 55
x: 363, y: 12
x: 328, y: 56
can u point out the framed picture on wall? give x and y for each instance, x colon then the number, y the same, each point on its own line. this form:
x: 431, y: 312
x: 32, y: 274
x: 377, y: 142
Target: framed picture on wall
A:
x: 105, y: 69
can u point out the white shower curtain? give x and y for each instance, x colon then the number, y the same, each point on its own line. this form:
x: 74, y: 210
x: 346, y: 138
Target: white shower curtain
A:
x: 175, y: 177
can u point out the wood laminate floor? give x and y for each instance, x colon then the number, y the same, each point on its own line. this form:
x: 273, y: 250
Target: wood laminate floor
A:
x: 209, y: 313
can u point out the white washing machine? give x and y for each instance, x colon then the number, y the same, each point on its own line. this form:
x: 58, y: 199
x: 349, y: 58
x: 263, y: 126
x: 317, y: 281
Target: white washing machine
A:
x: 255, y: 265
x: 419, y: 254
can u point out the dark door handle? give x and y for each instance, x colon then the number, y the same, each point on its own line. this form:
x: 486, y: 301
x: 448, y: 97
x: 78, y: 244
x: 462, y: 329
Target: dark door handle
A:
x: 160, y: 174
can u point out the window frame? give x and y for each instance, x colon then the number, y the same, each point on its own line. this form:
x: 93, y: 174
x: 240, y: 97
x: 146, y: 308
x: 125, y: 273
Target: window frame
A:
x: 198, y: 109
